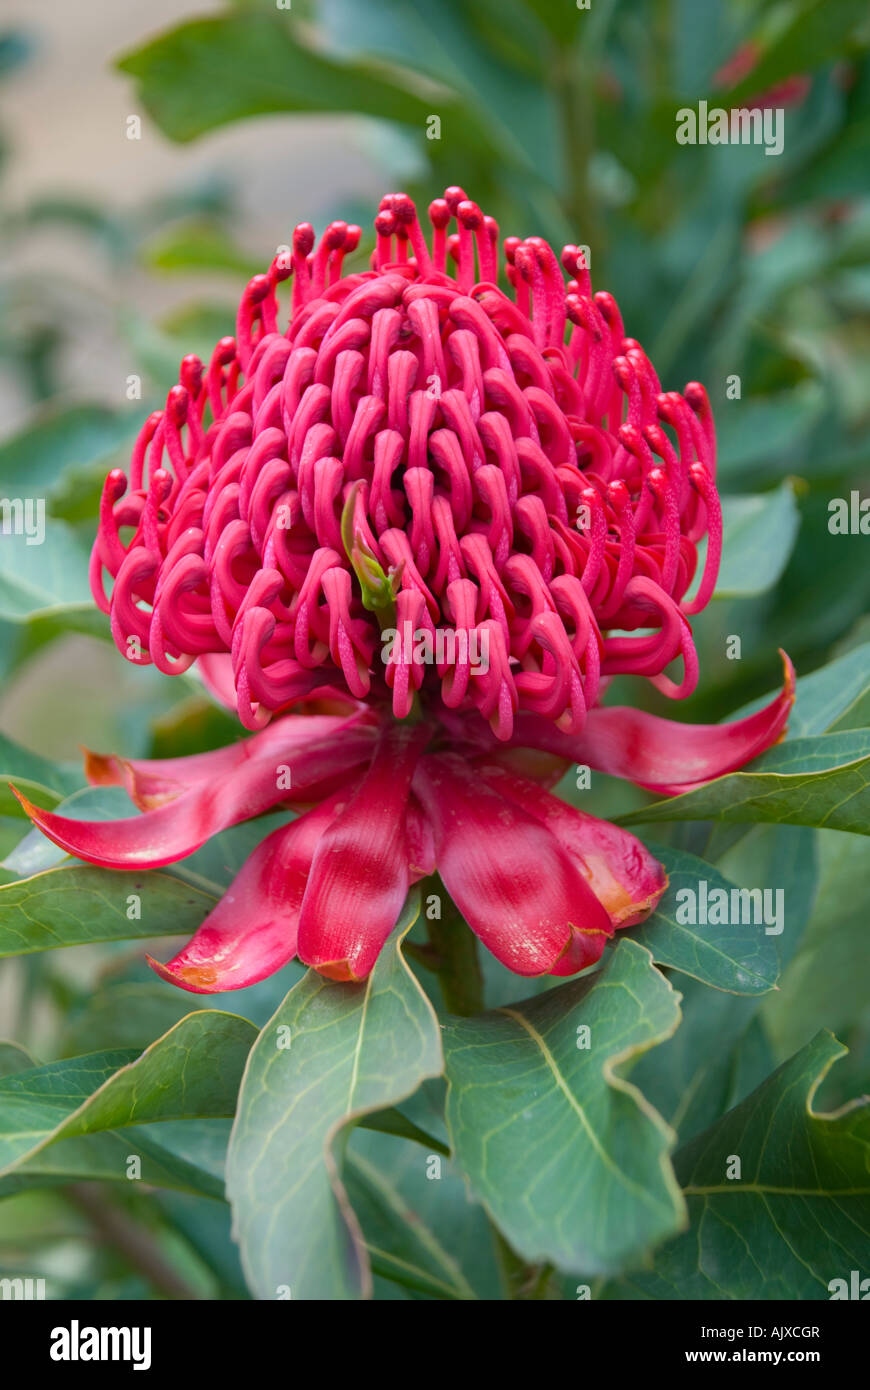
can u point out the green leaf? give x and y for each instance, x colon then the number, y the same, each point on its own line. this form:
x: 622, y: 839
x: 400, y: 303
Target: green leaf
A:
x: 828, y: 982
x: 753, y: 434
x: 564, y: 1152
x: 40, y: 795
x: 126, y: 1015
x: 561, y: 20
x: 43, y: 781
x: 738, y: 956
x: 832, y: 699
x: 206, y: 1227
x: 192, y: 1071
x: 36, y: 852
x: 216, y: 864
x: 44, y: 579
x: 22, y: 638
x: 806, y: 781
x: 392, y: 1121
x: 835, y: 698
x: 399, y: 1244
x: 452, y: 47
x: 209, y: 72
x: 195, y: 725
x: 32, y: 460
x: 102, y: 1158
x: 694, y: 1077
x: 14, y: 1057
x: 192, y: 1153
x: 201, y: 247
x: 23, y: 762
x: 181, y: 1155
x: 760, y: 532
x: 795, y: 1219
x: 12, y: 829
x: 354, y: 1048
x: 36, y: 1101
x: 77, y: 905
x: 435, y: 1193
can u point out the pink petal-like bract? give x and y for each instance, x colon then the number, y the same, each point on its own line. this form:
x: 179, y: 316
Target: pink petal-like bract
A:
x: 625, y: 878
x: 525, y: 898
x: 253, y: 930
x: 153, y: 782
x: 360, y: 875
x: 174, y: 829
x: 660, y: 754
x: 410, y: 530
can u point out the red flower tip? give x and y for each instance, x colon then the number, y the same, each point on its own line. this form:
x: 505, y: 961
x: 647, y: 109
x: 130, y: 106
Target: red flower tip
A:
x: 339, y: 970
x: 100, y: 768
x: 33, y: 812
x: 109, y: 770
x: 789, y: 688
x: 197, y: 979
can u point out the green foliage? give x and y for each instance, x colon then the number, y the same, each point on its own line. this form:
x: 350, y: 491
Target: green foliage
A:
x: 560, y: 1147
x: 794, y: 1218
x: 736, y: 956
x: 808, y: 781
x: 331, y: 1054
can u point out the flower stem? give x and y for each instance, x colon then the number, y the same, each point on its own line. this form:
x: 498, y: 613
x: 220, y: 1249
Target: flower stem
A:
x: 114, y: 1227
x: 521, y: 1281
x: 454, y: 949
x: 452, y: 953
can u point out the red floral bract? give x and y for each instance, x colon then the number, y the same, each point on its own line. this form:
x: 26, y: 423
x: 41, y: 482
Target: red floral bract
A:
x: 418, y: 452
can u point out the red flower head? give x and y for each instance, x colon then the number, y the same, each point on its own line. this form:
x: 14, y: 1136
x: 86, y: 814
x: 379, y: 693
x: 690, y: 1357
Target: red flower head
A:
x: 440, y: 512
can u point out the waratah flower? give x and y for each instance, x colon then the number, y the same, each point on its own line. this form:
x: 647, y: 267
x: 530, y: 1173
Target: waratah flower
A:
x: 417, y: 454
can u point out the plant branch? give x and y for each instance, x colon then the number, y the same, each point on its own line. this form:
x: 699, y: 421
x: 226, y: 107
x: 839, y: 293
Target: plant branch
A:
x: 114, y: 1227
x: 454, y: 955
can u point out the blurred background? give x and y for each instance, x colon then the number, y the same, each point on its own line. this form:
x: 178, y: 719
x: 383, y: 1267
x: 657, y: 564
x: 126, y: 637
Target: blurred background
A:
x: 153, y: 157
